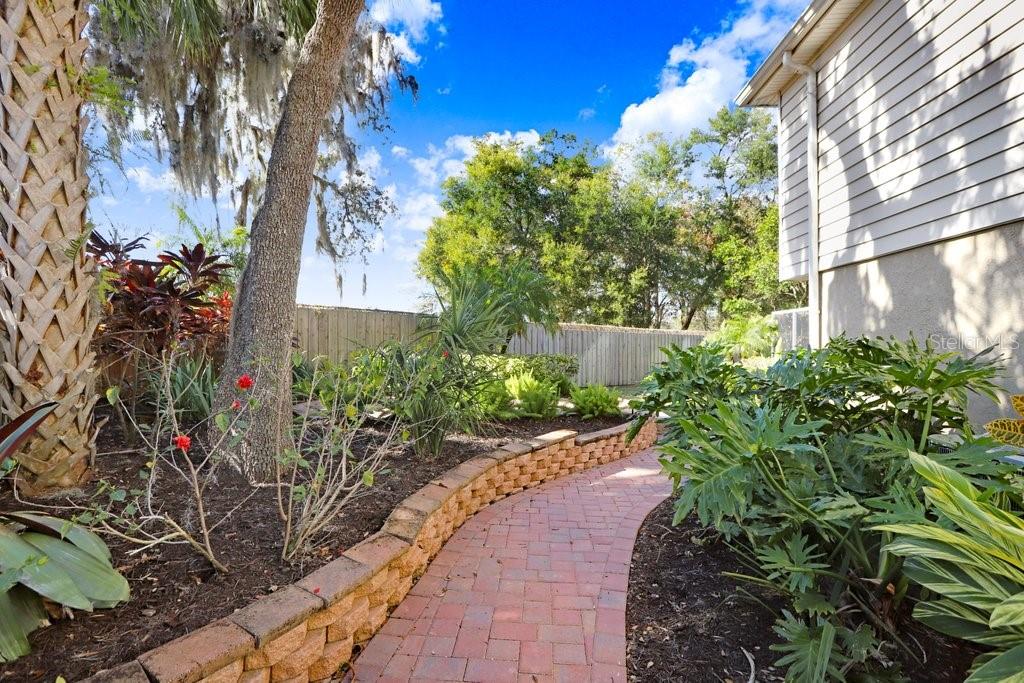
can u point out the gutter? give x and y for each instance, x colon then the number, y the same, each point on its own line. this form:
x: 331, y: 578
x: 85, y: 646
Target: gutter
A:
x: 813, y: 276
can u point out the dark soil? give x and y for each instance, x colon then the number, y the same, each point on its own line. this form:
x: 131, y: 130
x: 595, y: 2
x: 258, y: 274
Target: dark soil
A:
x: 686, y: 622
x: 175, y: 591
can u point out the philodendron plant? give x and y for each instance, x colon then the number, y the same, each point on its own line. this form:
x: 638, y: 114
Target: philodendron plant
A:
x: 46, y: 564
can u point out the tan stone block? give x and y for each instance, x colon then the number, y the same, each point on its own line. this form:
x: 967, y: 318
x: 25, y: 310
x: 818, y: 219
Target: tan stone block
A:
x: 298, y: 662
x: 256, y: 676
x: 328, y: 616
x: 335, y: 654
x: 401, y: 590
x: 277, y: 613
x: 376, y: 618
x: 198, y: 654
x: 228, y: 674
x: 351, y: 621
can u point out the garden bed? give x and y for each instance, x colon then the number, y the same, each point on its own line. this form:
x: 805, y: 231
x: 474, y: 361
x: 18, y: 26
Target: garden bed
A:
x: 174, y: 591
x: 686, y: 622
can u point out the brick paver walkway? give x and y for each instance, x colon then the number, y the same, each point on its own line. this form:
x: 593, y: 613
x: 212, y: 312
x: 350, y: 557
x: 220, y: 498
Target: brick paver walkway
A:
x: 532, y: 588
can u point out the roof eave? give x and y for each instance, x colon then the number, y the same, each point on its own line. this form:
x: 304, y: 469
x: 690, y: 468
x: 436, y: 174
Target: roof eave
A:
x: 806, y: 39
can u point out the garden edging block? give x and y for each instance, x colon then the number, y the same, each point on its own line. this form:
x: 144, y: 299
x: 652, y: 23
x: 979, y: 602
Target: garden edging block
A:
x: 309, y: 630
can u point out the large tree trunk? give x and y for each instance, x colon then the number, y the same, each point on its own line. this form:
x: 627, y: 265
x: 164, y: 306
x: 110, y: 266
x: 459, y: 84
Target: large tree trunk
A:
x: 264, y: 311
x: 45, y: 279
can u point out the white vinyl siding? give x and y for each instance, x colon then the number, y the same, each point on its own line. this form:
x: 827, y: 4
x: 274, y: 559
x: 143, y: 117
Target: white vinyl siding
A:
x: 921, y: 130
x: 793, y: 214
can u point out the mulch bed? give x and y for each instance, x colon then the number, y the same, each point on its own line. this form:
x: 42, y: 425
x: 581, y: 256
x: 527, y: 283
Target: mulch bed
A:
x: 175, y: 591
x: 686, y: 622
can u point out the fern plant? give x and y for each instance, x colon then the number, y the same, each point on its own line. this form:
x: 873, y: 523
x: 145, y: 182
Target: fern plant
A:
x: 534, y: 398
x: 595, y: 400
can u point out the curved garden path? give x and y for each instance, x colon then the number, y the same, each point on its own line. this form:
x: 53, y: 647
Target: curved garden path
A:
x: 532, y: 588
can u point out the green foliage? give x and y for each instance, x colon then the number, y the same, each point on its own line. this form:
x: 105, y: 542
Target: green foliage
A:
x: 553, y: 368
x: 693, y: 227
x: 534, y: 397
x: 43, y: 557
x: 797, y: 464
x: 748, y: 336
x: 596, y: 400
x: 495, y: 401
x: 193, y: 385
x: 970, y: 553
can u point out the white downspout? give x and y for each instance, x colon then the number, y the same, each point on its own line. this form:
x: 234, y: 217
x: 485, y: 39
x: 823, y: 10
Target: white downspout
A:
x: 813, y: 276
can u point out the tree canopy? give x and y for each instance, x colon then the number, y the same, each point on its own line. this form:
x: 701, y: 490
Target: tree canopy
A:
x: 672, y: 230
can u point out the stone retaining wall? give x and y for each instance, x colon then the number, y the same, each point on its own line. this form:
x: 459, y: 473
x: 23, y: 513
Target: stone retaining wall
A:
x: 303, y: 633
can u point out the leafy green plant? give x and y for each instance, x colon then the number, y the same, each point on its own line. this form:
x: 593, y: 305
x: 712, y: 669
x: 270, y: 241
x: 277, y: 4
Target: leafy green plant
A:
x: 46, y: 558
x: 495, y: 401
x: 596, y: 400
x: 796, y: 465
x: 1010, y: 430
x: 534, y: 397
x: 747, y: 336
x: 971, y: 555
x: 554, y: 368
x: 193, y: 384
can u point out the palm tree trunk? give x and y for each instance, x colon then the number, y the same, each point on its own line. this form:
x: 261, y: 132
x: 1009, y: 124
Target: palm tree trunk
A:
x: 45, y: 279
x: 264, y: 313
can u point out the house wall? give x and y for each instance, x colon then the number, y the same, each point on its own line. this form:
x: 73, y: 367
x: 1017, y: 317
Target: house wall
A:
x: 921, y: 131
x: 965, y: 294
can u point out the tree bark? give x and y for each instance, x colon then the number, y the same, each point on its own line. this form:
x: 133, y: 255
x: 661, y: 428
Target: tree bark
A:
x: 46, y: 281
x: 264, y: 311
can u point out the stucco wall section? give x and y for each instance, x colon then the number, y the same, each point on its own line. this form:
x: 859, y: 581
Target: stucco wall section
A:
x: 965, y: 294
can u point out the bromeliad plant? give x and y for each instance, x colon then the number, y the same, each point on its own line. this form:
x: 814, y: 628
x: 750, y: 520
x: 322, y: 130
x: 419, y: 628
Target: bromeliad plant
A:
x: 47, y: 564
x: 796, y: 465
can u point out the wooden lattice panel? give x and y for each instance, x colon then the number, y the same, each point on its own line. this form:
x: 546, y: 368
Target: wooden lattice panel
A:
x: 46, y: 308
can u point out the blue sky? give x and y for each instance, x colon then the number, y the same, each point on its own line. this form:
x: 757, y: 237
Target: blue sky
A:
x: 606, y: 71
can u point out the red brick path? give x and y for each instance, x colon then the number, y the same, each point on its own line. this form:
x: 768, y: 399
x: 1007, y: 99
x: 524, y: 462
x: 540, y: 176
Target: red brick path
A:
x: 532, y: 588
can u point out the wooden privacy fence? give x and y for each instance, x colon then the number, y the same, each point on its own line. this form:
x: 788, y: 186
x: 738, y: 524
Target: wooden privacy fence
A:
x: 608, y: 355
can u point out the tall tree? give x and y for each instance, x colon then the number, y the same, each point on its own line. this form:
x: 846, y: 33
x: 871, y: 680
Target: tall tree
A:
x: 264, y: 313
x: 46, y: 280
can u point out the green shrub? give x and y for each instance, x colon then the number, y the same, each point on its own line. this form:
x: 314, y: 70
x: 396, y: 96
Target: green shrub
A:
x: 797, y: 465
x: 596, y: 400
x: 193, y: 385
x: 556, y: 369
x: 535, y: 397
x: 494, y: 401
x: 970, y: 554
x: 44, y: 558
x: 747, y: 336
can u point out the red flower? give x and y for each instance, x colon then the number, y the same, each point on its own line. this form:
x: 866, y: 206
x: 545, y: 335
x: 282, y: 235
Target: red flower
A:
x: 316, y: 590
x: 236, y: 405
x: 444, y: 354
x: 183, y: 442
x: 244, y: 382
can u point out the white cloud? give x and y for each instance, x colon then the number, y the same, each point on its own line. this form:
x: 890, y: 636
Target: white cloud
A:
x: 699, y: 78
x: 418, y: 210
x: 586, y: 114
x: 408, y: 21
x: 450, y: 159
x: 400, y: 152
x: 146, y: 181
x: 405, y: 49
x: 447, y: 90
x: 370, y: 162
x: 414, y: 15
x: 107, y: 200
